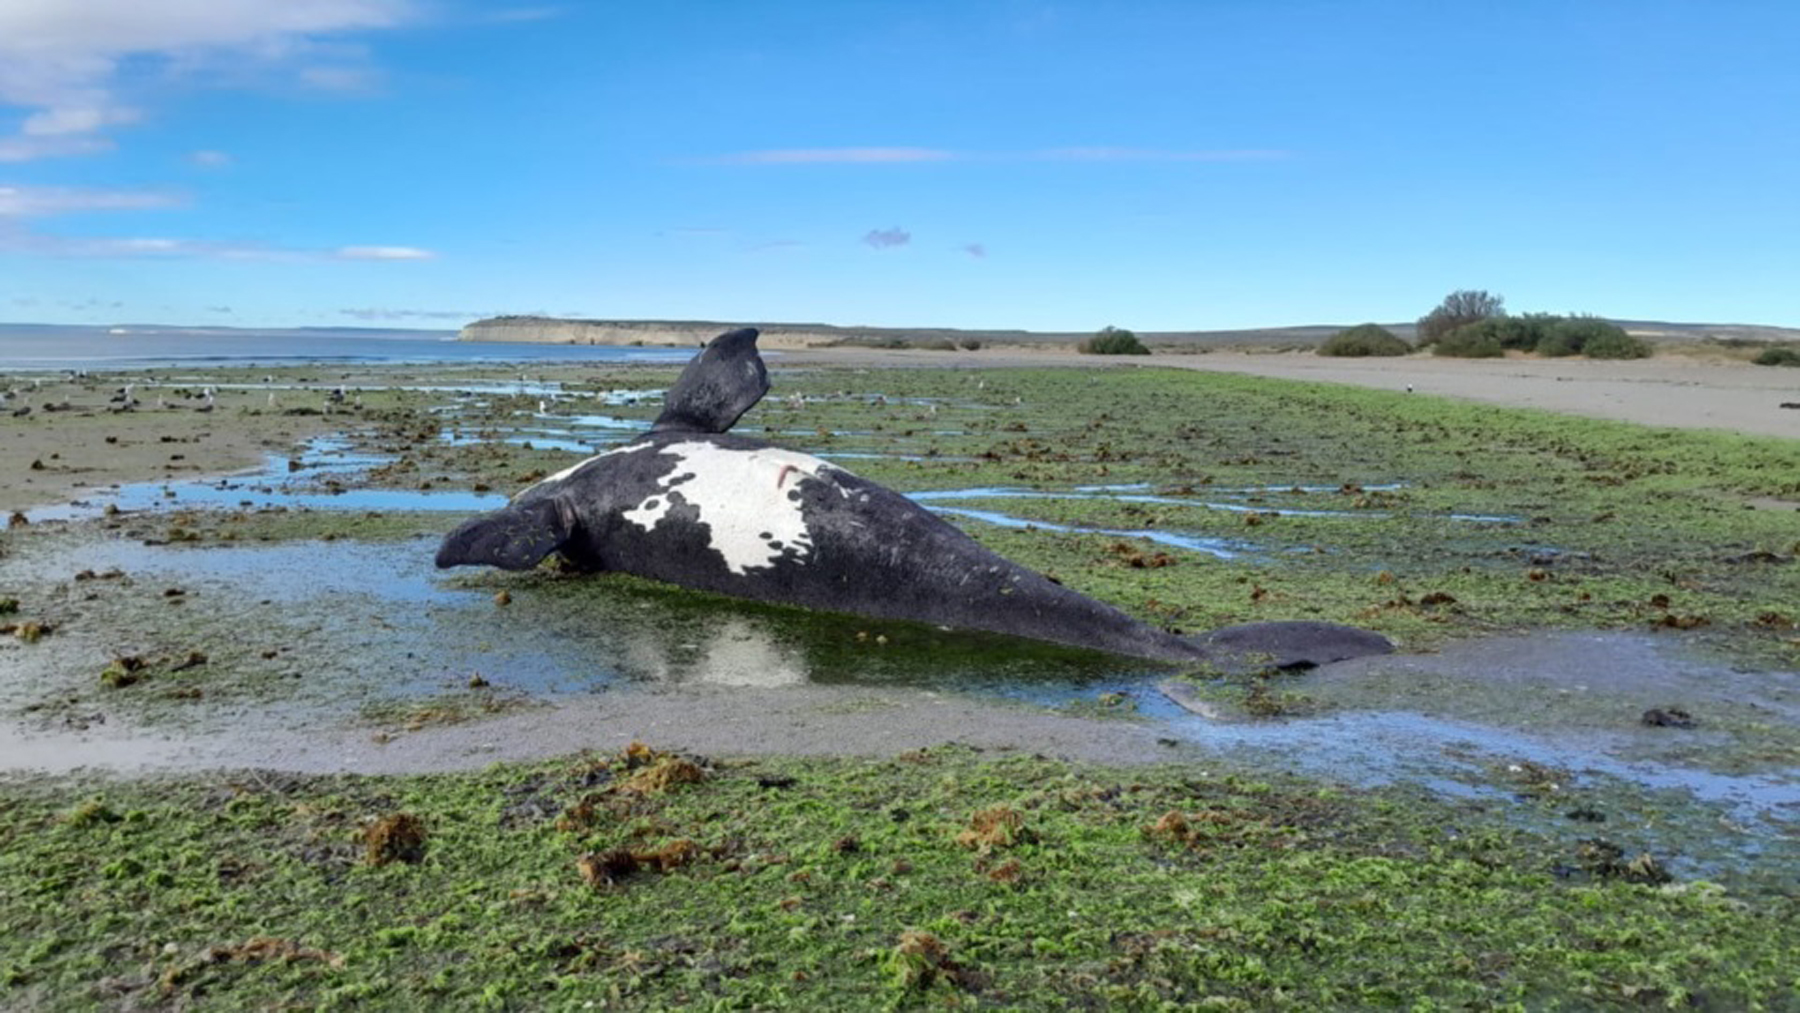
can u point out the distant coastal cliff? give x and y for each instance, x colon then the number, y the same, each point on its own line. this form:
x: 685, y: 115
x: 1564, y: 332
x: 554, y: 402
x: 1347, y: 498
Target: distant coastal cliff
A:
x: 551, y: 330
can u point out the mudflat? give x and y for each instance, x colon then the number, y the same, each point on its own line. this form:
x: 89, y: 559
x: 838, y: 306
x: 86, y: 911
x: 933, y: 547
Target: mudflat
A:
x: 1598, y: 692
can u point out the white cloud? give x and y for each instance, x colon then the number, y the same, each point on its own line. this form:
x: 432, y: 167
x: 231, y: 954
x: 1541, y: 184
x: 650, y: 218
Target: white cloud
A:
x: 61, y: 60
x: 15, y: 238
x: 382, y: 253
x: 39, y: 201
x: 210, y: 159
x: 24, y: 149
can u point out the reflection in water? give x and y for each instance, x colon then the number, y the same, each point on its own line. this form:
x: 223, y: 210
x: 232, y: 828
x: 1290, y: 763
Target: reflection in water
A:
x: 734, y: 651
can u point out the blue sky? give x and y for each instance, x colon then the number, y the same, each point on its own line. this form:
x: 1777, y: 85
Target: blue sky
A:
x: 1053, y: 166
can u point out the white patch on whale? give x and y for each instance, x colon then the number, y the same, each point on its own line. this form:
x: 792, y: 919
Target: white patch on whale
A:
x: 744, y: 497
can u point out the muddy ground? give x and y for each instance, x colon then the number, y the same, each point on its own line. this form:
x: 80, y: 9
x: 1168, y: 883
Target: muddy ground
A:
x: 1554, y: 637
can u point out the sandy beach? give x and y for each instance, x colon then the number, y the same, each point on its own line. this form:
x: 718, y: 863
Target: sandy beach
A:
x: 1670, y: 390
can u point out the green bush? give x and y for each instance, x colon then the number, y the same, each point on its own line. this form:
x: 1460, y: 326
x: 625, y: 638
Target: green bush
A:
x: 1515, y: 333
x: 1470, y: 341
x: 1596, y: 339
x: 1780, y: 355
x: 1113, y: 341
x: 1364, y: 339
x: 1459, y: 309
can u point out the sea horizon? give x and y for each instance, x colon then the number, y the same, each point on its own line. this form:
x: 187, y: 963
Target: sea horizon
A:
x: 26, y: 347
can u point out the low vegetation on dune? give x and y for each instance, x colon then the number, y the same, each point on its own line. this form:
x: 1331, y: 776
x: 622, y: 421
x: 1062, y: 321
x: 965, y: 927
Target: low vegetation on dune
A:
x: 1364, y: 340
x: 1475, y: 325
x: 1113, y: 341
x: 1779, y: 355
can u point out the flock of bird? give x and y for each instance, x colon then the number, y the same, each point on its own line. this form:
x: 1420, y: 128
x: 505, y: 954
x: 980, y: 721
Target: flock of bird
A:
x: 16, y: 399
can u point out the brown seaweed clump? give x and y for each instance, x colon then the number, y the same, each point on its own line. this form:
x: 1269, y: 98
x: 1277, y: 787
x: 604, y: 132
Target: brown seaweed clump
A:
x: 397, y: 838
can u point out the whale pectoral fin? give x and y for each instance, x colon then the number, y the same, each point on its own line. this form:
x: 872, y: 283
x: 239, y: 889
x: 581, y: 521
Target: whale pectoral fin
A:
x: 718, y: 386
x: 517, y: 537
x: 1293, y: 644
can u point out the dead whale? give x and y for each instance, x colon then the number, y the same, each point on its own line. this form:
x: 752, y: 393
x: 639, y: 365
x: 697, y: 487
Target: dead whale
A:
x: 690, y: 504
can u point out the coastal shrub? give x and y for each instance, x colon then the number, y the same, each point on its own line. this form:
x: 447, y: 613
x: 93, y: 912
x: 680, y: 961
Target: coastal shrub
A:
x: 1459, y: 309
x: 1596, y: 339
x: 1521, y: 334
x: 1779, y: 355
x: 1469, y: 342
x: 1364, y: 339
x: 1113, y: 341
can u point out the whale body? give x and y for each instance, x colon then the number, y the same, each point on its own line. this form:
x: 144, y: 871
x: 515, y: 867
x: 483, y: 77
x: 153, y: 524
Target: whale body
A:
x: 693, y: 505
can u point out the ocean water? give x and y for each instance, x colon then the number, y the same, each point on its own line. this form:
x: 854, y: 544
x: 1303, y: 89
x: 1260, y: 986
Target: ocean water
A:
x: 25, y: 347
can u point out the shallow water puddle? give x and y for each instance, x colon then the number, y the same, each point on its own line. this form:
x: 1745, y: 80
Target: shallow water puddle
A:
x: 367, y: 629
x: 1220, y: 548
x: 304, y: 484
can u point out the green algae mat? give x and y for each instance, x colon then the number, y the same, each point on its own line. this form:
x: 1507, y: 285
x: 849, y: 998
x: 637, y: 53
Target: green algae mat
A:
x: 947, y: 878
x: 937, y: 879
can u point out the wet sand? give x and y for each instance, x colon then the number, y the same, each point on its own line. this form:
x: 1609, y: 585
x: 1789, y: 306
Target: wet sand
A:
x: 75, y: 455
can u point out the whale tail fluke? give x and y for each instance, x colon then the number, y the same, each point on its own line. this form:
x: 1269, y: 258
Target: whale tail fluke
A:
x: 718, y: 386
x: 516, y: 537
x: 1290, y: 644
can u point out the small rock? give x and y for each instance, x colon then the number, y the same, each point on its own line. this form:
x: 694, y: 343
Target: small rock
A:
x: 1668, y: 717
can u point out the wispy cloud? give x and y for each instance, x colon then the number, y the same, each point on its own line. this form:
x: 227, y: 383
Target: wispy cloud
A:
x: 886, y: 239
x: 210, y: 159
x: 24, y: 149
x: 382, y: 253
x: 40, y: 201
x: 976, y: 250
x: 14, y: 238
x: 74, y: 67
x: 879, y: 156
x: 20, y: 205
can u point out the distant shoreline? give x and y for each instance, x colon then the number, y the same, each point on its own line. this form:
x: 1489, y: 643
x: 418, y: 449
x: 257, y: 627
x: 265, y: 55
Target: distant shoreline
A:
x: 797, y: 336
